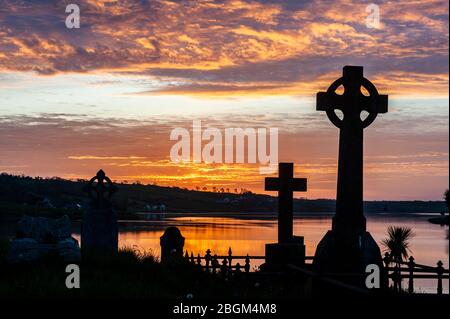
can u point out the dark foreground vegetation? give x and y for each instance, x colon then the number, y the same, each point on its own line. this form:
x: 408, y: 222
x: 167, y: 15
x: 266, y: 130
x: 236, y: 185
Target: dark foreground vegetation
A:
x: 134, y: 275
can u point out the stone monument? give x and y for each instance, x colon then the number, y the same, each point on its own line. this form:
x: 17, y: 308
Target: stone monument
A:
x: 290, y: 249
x: 39, y: 238
x: 172, y: 243
x: 99, y: 230
x: 348, y: 247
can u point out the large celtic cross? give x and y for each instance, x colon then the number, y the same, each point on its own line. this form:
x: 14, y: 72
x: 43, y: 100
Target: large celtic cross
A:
x: 349, y: 218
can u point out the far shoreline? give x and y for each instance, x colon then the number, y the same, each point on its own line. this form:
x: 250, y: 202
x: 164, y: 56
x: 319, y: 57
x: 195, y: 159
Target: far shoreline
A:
x: 269, y: 215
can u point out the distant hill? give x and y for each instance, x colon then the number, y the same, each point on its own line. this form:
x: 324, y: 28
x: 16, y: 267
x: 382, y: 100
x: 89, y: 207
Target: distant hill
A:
x: 21, y: 193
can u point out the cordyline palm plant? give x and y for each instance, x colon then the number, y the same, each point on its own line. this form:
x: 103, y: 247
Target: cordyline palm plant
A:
x: 397, y: 243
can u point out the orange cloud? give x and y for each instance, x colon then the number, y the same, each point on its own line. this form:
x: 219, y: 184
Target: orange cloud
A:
x: 147, y: 37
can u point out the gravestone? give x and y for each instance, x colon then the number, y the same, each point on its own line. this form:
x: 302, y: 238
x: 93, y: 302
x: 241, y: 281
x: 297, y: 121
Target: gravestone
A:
x: 290, y: 249
x: 172, y: 243
x: 99, y: 231
x: 348, y: 247
x: 39, y: 238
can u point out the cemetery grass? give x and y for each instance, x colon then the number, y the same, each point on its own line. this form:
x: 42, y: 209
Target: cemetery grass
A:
x: 128, y: 275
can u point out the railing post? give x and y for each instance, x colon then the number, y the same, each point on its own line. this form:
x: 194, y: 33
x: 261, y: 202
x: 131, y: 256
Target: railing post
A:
x: 192, y: 258
x: 207, y: 258
x: 230, y: 258
x: 215, y: 264
x: 247, y: 264
x: 440, y: 271
x: 199, y: 260
x: 186, y: 255
x: 397, y: 278
x: 224, y: 267
x: 411, y: 265
x: 386, y: 259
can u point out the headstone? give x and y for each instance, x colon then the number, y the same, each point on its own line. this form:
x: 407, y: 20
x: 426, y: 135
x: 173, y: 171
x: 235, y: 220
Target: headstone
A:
x: 290, y: 249
x: 24, y: 250
x: 99, y: 231
x: 40, y: 237
x: 172, y: 243
x: 44, y: 230
x: 348, y: 247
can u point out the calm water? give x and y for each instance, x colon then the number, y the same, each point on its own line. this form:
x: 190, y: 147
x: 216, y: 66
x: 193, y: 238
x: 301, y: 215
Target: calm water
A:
x: 250, y: 235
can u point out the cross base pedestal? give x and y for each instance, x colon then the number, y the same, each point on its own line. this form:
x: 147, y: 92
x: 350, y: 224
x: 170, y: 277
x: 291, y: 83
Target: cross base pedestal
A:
x: 279, y: 255
x: 339, y: 253
x: 99, y: 232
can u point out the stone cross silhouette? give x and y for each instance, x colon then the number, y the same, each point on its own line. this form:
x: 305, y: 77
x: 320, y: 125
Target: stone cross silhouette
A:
x: 101, y: 192
x: 349, y: 218
x: 285, y: 184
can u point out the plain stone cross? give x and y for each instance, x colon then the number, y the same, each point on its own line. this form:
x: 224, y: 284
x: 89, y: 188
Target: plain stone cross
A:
x: 349, y: 218
x: 286, y: 185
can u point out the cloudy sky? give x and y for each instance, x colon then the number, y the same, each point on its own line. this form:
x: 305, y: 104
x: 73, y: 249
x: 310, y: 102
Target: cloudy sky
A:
x: 109, y: 93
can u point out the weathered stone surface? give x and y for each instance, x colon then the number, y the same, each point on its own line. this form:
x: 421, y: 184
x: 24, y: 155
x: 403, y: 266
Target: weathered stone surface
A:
x: 24, y: 250
x: 278, y: 255
x: 69, y: 250
x: 99, y: 231
x: 40, y: 237
x: 347, y: 254
x: 44, y: 230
